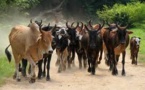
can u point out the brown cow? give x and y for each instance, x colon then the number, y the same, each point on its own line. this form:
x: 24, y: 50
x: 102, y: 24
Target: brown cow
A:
x: 29, y: 43
x: 116, y: 41
x: 134, y: 48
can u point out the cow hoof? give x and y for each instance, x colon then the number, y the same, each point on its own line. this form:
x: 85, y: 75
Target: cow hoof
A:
x: 14, y: 76
x: 18, y: 80
x: 43, y: 74
x: 32, y: 80
x: 98, y: 62
x: 20, y: 69
x: 93, y: 73
x: 59, y: 71
x: 47, y: 78
x: 123, y: 73
x: 114, y: 72
x: 39, y: 77
x: 89, y: 70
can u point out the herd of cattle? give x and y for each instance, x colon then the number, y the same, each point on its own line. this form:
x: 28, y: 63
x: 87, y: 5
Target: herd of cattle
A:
x: 35, y: 43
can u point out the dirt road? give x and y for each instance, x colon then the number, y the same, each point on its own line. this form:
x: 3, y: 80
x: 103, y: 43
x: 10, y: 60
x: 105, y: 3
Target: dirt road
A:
x: 76, y: 79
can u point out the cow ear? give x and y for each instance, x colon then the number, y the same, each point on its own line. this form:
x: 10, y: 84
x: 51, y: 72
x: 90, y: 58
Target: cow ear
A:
x: 139, y: 37
x: 129, y: 32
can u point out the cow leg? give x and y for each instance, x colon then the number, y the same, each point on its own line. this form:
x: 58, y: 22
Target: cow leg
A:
x: 110, y: 61
x: 89, y: 64
x: 48, y: 67
x: 117, y: 58
x: 100, y: 58
x: 33, y: 65
x: 136, y: 58
x: 16, y: 74
x: 73, y: 56
x: 44, y: 66
x: 69, y: 60
x: 40, y: 68
x: 64, y: 62
x: 17, y: 61
x: 24, y: 65
x: 123, y: 63
x: 85, y: 60
x: 114, y: 71
x: 60, y: 64
x: 94, y: 64
x: 80, y: 60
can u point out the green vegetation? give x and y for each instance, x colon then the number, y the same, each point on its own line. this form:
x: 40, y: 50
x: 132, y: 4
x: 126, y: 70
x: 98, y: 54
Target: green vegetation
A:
x: 140, y: 33
x: 133, y: 13
x: 6, y: 69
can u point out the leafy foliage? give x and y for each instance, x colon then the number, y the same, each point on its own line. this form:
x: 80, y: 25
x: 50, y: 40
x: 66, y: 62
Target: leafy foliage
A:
x: 134, y: 13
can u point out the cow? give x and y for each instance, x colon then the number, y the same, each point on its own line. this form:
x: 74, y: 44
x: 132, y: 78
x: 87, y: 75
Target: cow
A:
x: 116, y: 41
x: 46, y: 57
x: 72, y: 46
x: 29, y: 43
x: 94, y: 46
x: 81, y: 45
x: 62, y: 43
x: 104, y: 29
x: 134, y: 48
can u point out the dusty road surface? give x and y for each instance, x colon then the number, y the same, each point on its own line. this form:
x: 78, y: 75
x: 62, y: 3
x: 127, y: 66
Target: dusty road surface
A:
x: 76, y: 79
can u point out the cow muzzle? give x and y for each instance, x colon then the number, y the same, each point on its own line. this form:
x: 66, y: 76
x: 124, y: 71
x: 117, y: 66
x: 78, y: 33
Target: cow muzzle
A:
x: 92, y: 46
x: 122, y: 42
x: 50, y: 51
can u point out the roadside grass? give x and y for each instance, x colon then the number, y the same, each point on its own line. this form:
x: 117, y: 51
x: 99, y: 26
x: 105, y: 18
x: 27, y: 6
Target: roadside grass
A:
x: 6, y: 69
x: 140, y: 32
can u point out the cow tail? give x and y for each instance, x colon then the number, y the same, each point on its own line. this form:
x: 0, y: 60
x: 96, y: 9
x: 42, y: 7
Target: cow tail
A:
x: 8, y: 54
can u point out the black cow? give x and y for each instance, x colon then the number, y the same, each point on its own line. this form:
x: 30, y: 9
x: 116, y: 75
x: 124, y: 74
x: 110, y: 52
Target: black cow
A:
x: 62, y: 43
x: 72, y: 46
x: 94, y: 45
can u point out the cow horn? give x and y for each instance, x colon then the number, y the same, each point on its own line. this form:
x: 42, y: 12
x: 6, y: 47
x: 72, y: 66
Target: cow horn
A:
x: 87, y: 28
x: 82, y: 25
x: 40, y: 22
x: 90, y: 23
x: 108, y: 23
x: 77, y: 25
x: 117, y: 25
x: 48, y: 25
x: 72, y: 24
x: 31, y: 21
x: 103, y: 24
x: 67, y: 24
x: 100, y: 27
x: 53, y: 29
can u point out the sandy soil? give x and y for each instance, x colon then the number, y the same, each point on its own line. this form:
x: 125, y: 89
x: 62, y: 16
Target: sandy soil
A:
x: 80, y: 79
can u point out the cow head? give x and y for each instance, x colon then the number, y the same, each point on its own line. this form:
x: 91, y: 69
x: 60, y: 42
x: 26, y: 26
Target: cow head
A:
x: 61, y: 39
x: 137, y: 41
x: 93, y: 36
x: 72, y: 33
x: 111, y: 26
x: 121, y: 33
x: 39, y: 23
x: 47, y: 38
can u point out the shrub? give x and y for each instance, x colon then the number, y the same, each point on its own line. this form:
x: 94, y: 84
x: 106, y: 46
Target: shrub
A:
x: 131, y: 13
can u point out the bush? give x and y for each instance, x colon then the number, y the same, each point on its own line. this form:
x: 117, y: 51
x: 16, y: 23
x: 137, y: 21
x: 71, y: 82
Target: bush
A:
x: 131, y: 13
